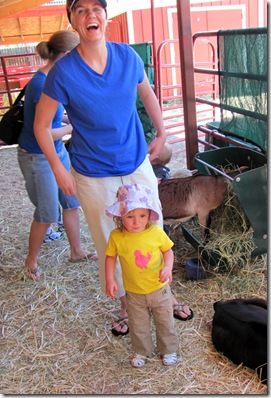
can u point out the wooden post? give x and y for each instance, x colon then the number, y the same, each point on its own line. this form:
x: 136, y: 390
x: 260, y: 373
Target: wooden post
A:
x: 188, y: 84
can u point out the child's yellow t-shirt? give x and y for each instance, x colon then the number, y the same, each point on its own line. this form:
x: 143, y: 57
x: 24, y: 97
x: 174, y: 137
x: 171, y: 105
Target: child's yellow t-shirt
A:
x: 140, y: 257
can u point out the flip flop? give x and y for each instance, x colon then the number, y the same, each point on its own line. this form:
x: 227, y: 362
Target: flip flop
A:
x: 90, y: 256
x: 120, y: 322
x: 177, y: 308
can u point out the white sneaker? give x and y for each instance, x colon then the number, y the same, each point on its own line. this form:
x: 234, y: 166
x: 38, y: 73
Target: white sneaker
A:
x: 53, y: 235
x: 170, y: 359
x: 138, y: 361
x: 60, y: 227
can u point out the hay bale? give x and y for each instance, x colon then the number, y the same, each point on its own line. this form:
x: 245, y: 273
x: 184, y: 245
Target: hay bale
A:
x: 230, y: 234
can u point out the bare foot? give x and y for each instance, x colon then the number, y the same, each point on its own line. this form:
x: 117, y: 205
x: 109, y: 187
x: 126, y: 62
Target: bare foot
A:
x: 33, y: 273
x: 31, y: 268
x: 120, y: 327
x: 84, y: 256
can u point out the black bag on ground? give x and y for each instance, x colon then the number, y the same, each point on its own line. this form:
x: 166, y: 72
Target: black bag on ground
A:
x: 239, y: 331
x: 11, y: 123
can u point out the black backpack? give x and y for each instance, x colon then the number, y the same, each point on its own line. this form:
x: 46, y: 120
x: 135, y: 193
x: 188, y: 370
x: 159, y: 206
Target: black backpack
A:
x: 11, y: 123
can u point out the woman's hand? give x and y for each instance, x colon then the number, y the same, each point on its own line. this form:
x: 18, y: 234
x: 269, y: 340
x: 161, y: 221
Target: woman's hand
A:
x: 155, y: 147
x: 65, y: 180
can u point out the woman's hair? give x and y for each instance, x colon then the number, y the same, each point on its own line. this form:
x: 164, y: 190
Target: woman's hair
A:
x: 61, y: 41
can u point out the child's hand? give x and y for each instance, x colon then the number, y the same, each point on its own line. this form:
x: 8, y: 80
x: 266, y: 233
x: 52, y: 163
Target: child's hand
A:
x: 166, y: 275
x: 111, y: 287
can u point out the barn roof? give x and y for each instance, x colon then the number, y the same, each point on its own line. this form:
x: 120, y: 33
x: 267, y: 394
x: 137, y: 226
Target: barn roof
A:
x: 30, y: 21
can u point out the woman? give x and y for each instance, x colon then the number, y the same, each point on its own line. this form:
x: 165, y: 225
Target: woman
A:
x: 40, y: 182
x: 97, y: 82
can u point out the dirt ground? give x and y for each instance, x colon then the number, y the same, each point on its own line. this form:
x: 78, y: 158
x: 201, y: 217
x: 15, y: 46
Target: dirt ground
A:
x: 55, y: 334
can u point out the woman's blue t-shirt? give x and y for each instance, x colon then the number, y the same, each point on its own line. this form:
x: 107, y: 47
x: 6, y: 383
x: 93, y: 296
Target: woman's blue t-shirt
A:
x: 27, y: 139
x: 108, y: 137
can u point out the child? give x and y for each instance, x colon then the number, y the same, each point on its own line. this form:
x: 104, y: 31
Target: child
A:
x: 146, y: 259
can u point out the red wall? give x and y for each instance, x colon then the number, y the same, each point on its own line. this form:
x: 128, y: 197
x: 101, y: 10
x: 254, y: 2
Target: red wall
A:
x: 117, y: 29
x: 201, y: 20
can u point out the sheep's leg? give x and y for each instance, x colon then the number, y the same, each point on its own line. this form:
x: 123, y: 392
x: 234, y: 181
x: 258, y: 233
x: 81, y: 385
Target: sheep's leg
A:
x: 205, y: 223
x: 166, y: 229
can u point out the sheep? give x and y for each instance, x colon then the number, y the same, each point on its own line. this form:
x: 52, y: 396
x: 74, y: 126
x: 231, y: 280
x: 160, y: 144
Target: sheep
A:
x: 184, y: 198
x: 239, y: 331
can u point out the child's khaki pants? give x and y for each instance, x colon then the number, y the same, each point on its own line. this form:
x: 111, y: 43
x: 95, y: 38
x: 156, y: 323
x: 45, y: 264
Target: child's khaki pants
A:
x: 140, y: 307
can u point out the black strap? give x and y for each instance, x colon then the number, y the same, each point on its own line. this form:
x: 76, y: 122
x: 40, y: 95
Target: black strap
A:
x: 20, y: 96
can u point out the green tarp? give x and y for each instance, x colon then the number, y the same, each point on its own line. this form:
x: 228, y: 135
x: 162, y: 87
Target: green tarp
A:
x: 243, y: 86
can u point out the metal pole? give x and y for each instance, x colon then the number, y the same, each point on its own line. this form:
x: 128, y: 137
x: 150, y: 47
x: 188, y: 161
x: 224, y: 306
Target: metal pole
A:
x: 188, y: 84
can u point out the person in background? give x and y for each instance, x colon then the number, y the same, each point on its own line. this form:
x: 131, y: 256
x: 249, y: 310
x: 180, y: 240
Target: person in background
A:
x: 146, y: 258
x: 159, y: 163
x: 162, y: 172
x: 40, y: 181
x: 51, y: 235
x: 97, y: 82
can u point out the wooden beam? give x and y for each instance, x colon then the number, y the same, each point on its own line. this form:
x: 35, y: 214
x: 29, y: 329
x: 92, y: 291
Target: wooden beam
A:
x: 27, y: 39
x: 40, y: 11
x: 20, y: 28
x: 10, y: 7
x: 41, y: 31
x: 188, y: 84
x: 61, y: 22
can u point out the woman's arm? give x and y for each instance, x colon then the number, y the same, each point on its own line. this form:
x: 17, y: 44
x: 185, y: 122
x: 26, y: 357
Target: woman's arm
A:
x: 64, y: 130
x: 153, y: 109
x: 61, y: 131
x: 45, y: 111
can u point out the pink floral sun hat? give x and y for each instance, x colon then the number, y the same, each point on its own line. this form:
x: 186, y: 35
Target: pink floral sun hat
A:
x: 131, y: 197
